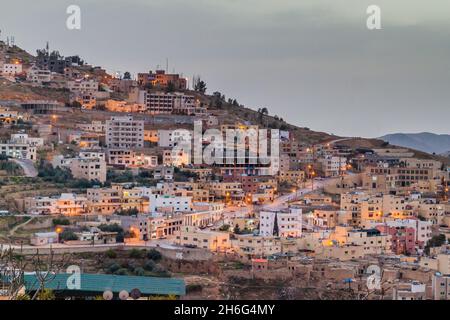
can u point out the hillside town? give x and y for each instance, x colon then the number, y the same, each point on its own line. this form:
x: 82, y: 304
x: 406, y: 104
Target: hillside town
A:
x: 104, y: 167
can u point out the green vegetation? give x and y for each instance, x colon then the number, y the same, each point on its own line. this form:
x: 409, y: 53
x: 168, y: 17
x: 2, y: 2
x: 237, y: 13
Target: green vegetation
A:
x: 11, y: 168
x: 435, y: 241
x: 61, y: 222
x: 68, y: 235
x: 113, y: 228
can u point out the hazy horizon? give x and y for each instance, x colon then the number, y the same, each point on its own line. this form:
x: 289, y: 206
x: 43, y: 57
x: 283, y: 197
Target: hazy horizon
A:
x: 313, y: 63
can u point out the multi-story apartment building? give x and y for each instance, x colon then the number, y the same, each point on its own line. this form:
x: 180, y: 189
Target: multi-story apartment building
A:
x: 39, y: 76
x: 281, y: 224
x: 124, y: 133
x: 66, y: 204
x: 18, y: 150
x: 82, y: 85
x: 333, y: 166
x: 88, y: 168
x: 11, y: 69
x: 171, y: 102
x: 250, y: 246
x: 95, y: 126
x: 211, y: 240
x: 441, y: 287
x: 172, y: 138
x: 103, y: 200
x: 167, y: 203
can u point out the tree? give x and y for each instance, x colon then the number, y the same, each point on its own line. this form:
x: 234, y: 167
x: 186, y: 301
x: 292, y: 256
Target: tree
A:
x: 435, y: 241
x: 68, y: 235
x: 127, y: 75
x: 154, y: 255
x: 200, y: 86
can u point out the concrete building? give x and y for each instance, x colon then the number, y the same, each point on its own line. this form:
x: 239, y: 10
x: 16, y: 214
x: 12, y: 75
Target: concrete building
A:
x: 441, y: 286
x: 39, y: 76
x: 210, y: 240
x: 160, y: 204
x: 124, y: 133
x: 281, y: 224
x: 11, y: 69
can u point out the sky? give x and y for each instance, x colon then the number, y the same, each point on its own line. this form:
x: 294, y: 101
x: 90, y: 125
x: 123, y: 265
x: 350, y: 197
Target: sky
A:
x: 312, y: 62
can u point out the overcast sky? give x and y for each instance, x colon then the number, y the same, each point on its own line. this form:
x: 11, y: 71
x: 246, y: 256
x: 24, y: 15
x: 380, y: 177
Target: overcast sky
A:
x: 312, y: 62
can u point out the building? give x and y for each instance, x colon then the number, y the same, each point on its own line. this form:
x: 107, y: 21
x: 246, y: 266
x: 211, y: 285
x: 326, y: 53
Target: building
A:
x: 103, y: 200
x: 250, y: 246
x: 333, y: 166
x: 18, y: 150
x: 281, y: 224
x: 39, y: 76
x: 124, y: 133
x: 409, y: 291
x: 172, y: 138
x: 440, y: 286
x: 170, y: 102
x: 403, y: 239
x: 44, y: 238
x: 11, y: 69
x: 211, y: 240
x: 88, y: 168
x: 161, y: 79
x: 94, y: 126
x: 168, y: 203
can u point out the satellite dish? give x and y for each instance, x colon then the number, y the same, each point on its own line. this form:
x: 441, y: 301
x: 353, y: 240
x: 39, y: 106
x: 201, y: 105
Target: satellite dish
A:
x: 123, y: 295
x: 108, y: 295
x: 135, y: 294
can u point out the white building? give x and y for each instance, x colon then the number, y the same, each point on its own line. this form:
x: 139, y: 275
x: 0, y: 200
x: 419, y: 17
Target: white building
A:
x: 171, y: 138
x: 11, y: 69
x: 282, y: 224
x: 24, y: 138
x: 124, y: 133
x: 18, y: 150
x: 44, y: 238
x: 169, y: 203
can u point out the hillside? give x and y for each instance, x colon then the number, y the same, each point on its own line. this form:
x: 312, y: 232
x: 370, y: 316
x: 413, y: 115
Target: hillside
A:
x: 426, y: 142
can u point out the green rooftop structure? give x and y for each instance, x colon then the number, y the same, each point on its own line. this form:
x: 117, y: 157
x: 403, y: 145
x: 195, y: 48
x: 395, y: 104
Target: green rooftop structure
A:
x: 96, y: 284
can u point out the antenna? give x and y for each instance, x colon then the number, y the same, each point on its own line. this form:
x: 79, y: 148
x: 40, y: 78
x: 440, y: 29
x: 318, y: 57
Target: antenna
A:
x: 167, y: 65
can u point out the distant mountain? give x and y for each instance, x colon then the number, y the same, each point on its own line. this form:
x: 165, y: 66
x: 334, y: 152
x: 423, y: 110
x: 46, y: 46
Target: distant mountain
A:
x: 427, y: 142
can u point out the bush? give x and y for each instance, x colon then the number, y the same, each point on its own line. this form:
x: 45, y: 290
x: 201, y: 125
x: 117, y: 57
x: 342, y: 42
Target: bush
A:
x: 113, y: 267
x: 121, y: 272
x: 194, y: 288
x: 111, y: 254
x: 136, y: 254
x: 149, y: 265
x: 154, y: 255
x: 139, y: 271
x: 68, y: 235
x: 61, y: 222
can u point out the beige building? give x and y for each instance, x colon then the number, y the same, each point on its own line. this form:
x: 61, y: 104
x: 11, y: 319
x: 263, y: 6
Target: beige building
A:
x: 124, y: 133
x: 211, y: 240
x: 250, y: 246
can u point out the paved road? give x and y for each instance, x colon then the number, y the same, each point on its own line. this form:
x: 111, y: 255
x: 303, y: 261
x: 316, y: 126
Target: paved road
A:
x: 27, y: 166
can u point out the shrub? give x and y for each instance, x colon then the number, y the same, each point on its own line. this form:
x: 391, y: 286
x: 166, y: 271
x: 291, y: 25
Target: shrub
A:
x: 61, y: 222
x: 135, y: 254
x: 111, y: 254
x: 154, y: 255
x: 149, y: 265
x: 113, y: 267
